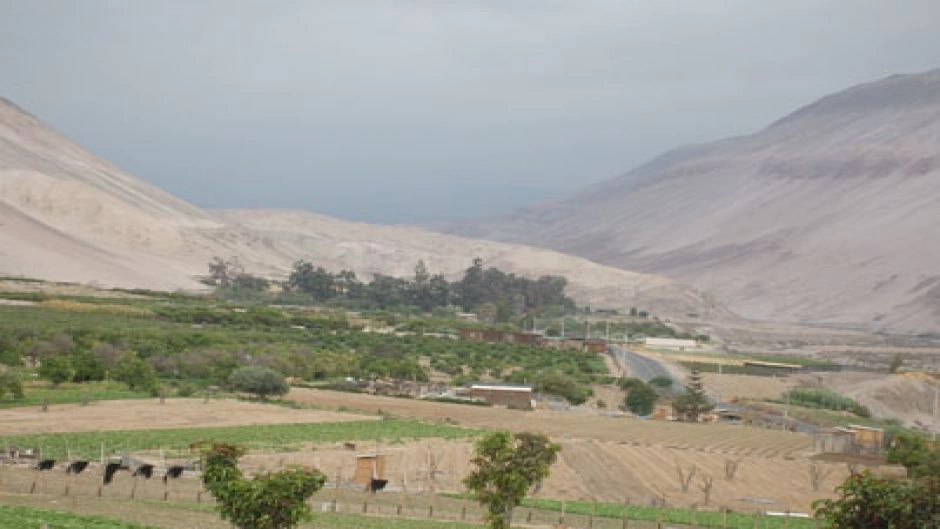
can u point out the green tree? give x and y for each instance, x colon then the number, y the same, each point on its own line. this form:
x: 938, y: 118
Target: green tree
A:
x: 10, y: 383
x: 564, y: 386
x: 506, y: 466
x: 896, y: 362
x: 56, y: 369
x: 641, y: 399
x: 87, y: 366
x: 132, y: 370
x: 869, y: 502
x: 316, y: 281
x: 261, y: 381
x: 915, y: 454
x: 693, y: 403
x: 276, y: 500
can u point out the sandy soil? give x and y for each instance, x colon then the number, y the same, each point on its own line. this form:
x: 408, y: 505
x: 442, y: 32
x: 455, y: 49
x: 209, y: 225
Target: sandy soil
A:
x: 151, y: 415
x: 577, y: 425
x: 605, y: 471
x: 747, y: 386
x: 907, y: 397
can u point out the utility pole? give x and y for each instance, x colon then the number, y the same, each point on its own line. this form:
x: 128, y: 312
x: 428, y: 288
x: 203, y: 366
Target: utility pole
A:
x: 607, y: 330
x: 936, y: 422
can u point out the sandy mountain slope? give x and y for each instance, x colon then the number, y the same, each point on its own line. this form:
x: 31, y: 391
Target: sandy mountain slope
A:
x: 368, y: 249
x: 68, y: 215
x: 829, y: 215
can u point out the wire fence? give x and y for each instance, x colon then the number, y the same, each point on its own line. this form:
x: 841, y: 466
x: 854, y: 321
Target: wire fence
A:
x: 350, y: 498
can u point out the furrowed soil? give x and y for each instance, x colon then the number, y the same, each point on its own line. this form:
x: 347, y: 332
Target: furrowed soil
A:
x: 149, y: 414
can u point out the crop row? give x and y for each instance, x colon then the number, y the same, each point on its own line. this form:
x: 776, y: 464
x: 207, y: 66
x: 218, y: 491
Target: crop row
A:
x: 260, y: 438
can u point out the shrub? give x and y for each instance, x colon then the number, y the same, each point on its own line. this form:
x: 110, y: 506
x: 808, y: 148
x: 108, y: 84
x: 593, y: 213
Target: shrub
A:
x: 261, y: 381
x: 56, y: 369
x: 641, y: 399
x: 825, y: 399
x: 661, y: 382
x: 563, y: 386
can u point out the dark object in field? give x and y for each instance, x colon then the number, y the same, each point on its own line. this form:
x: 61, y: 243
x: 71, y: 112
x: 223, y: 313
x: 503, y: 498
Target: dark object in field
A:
x: 349, y: 446
x: 45, y: 464
x: 110, y: 469
x: 376, y: 485
x: 76, y: 467
x: 173, y: 472
x: 145, y: 471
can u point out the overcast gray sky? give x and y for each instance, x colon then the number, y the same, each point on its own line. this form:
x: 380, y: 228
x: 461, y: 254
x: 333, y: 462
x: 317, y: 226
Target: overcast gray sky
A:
x: 403, y: 110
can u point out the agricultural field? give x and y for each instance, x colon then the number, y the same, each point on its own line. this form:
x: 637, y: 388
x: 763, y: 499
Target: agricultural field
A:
x: 722, y: 438
x: 150, y: 414
x: 268, y: 438
x: 192, y: 342
x: 21, y: 517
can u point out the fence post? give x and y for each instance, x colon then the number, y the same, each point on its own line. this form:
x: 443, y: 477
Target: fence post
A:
x: 724, y: 518
x: 561, y: 519
x: 336, y: 490
x: 626, y: 514
x: 692, y: 515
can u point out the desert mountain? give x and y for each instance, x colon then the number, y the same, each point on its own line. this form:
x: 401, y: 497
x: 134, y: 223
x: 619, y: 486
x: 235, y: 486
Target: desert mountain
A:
x: 68, y: 215
x: 830, y: 215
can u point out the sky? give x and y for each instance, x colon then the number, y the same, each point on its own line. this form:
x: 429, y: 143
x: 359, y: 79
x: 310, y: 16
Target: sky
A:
x: 403, y: 111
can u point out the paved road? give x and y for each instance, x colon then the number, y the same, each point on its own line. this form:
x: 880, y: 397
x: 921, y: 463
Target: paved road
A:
x: 642, y: 367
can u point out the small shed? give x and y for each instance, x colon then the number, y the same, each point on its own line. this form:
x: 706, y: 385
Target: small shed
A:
x: 835, y: 441
x: 369, y: 467
x: 516, y: 396
x: 867, y: 440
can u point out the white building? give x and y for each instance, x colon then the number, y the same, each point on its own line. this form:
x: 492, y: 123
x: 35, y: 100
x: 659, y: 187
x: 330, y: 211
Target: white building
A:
x: 671, y: 343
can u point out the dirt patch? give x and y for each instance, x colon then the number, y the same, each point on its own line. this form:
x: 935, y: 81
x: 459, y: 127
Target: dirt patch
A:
x: 748, y: 387
x: 151, y: 415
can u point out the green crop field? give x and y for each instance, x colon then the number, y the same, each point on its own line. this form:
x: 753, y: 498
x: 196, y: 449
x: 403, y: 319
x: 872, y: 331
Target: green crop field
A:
x: 12, y: 517
x: 73, y: 393
x: 735, y: 520
x: 260, y: 438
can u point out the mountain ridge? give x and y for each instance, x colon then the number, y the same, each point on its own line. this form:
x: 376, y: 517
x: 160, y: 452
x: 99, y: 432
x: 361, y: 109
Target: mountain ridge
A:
x: 823, y: 216
x: 67, y: 215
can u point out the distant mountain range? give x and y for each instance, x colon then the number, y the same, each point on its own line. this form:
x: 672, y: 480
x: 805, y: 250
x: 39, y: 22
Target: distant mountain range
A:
x: 68, y: 215
x: 830, y: 215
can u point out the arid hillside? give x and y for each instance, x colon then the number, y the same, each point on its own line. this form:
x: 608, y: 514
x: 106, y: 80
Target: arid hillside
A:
x: 68, y: 215
x: 826, y: 216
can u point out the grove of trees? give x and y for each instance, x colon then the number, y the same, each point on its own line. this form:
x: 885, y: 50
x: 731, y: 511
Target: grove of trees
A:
x: 496, y: 295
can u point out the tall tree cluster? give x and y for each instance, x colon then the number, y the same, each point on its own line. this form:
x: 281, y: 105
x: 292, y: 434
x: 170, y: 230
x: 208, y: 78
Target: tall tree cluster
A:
x: 491, y: 292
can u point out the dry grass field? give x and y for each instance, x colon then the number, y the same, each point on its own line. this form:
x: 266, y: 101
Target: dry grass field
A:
x: 149, y: 414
